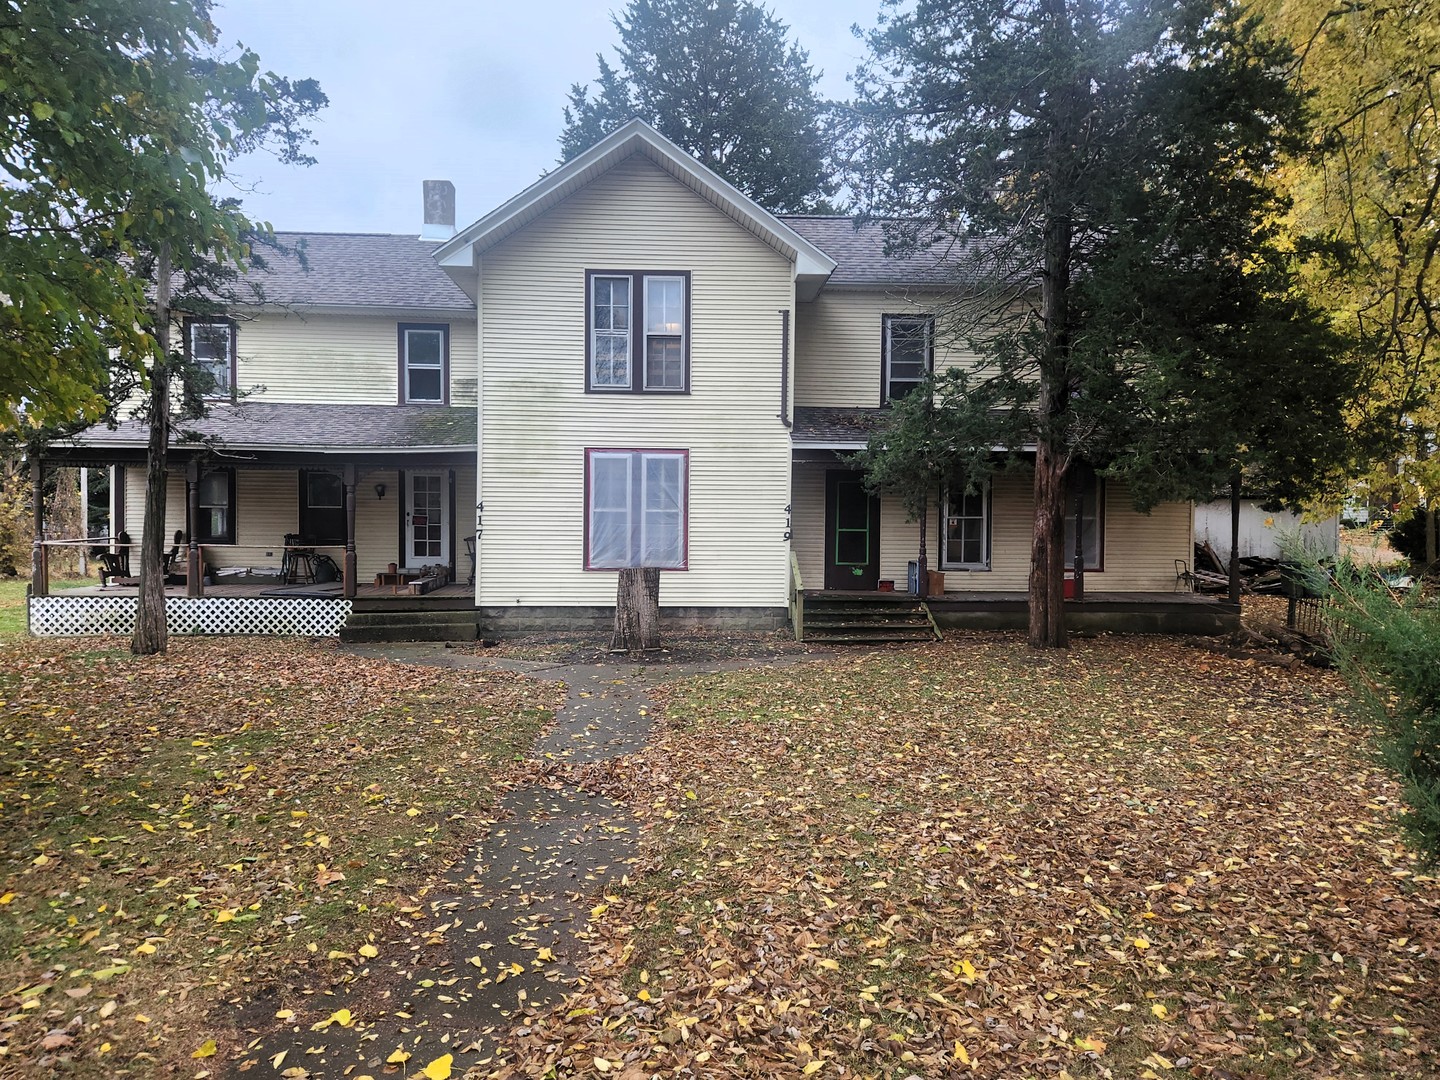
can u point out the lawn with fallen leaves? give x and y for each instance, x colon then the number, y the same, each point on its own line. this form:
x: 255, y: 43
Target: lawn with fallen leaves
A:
x: 195, y: 841
x: 1136, y: 859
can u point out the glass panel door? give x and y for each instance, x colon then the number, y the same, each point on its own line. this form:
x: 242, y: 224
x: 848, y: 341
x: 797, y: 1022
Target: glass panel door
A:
x: 427, y: 528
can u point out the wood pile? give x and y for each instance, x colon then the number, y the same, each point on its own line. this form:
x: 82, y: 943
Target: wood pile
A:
x: 1257, y: 575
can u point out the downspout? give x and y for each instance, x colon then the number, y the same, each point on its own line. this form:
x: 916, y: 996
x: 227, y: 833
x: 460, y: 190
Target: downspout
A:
x: 785, y: 367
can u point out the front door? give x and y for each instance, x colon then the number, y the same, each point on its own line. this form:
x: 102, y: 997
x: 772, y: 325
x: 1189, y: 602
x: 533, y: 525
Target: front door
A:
x: 852, y: 533
x: 427, y: 523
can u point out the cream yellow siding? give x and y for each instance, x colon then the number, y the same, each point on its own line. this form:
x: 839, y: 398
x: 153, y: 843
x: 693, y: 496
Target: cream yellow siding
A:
x: 340, y: 359
x: 1139, y: 549
x: 268, y: 507
x: 839, y: 344
x: 538, y: 420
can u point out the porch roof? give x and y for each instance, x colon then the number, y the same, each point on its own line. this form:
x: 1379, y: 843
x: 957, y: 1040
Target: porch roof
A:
x: 335, y: 429
x: 834, y: 429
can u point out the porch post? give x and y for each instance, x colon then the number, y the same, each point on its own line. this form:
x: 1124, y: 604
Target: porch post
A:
x: 1080, y: 544
x: 351, y: 585
x: 193, y: 586
x: 39, y: 562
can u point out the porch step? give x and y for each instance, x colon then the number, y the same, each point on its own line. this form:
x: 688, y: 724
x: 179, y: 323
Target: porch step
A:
x: 411, y: 626
x: 858, y: 618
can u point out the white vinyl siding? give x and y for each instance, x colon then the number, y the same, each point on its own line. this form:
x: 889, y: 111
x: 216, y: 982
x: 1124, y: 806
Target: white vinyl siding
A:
x: 267, y: 507
x: 340, y: 359
x: 839, y: 345
x: 538, y: 419
x: 1140, y: 549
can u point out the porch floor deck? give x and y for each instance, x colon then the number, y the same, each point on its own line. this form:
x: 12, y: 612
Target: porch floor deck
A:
x: 367, y: 591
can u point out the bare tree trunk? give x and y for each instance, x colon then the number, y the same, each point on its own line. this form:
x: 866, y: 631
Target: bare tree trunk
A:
x: 1047, y: 552
x: 637, y: 611
x: 150, y: 632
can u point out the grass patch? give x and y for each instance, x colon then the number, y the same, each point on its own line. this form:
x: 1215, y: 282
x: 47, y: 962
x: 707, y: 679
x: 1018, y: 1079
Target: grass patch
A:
x: 12, y: 600
x: 1131, y: 859
x: 228, y: 823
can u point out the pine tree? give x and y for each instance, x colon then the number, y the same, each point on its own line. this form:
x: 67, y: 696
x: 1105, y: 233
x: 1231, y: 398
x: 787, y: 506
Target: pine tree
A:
x: 720, y: 79
x: 1108, y: 167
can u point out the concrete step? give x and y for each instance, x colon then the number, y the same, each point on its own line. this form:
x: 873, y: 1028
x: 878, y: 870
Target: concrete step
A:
x: 367, y: 626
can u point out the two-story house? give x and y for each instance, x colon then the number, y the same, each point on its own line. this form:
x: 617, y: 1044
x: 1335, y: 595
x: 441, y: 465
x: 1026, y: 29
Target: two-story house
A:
x: 630, y: 362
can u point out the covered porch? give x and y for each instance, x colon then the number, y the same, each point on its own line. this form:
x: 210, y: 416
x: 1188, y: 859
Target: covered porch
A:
x: 285, y: 503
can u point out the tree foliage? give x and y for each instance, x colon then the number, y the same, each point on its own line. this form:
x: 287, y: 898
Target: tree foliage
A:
x: 721, y: 79
x: 1107, y: 173
x: 119, y: 115
x: 1372, y: 73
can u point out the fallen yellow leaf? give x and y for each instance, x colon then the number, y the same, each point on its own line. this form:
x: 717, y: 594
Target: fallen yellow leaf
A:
x: 399, y: 1057
x: 207, y: 1049
x: 961, y: 1055
x: 368, y: 950
x: 439, y: 1069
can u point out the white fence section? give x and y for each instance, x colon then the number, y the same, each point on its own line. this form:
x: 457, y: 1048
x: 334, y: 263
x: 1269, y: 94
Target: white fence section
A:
x: 69, y: 616
x: 1264, y: 533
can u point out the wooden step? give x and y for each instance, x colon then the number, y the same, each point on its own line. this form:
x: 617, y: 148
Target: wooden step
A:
x: 871, y: 619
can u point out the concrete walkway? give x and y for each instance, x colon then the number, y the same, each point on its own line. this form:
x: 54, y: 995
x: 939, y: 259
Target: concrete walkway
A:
x: 504, y: 928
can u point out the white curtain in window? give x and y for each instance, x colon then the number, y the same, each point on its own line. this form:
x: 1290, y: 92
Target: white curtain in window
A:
x: 663, y: 512
x: 610, y: 544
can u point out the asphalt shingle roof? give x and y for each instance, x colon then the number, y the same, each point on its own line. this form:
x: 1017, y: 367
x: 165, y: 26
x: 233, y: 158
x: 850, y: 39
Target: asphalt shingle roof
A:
x: 259, y: 425
x: 861, y: 258
x: 829, y: 425
x: 357, y: 270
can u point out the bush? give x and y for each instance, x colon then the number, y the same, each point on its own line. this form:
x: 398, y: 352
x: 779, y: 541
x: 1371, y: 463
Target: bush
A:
x: 1391, y: 659
x: 1407, y: 536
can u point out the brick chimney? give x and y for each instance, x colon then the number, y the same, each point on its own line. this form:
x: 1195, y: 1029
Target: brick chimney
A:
x: 439, y: 210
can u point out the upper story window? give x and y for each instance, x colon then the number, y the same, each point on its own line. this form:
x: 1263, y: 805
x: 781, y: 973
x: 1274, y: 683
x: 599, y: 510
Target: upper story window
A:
x: 908, y: 354
x: 637, y: 331
x: 424, y: 364
x: 210, y: 345
x: 967, y: 530
x: 636, y: 509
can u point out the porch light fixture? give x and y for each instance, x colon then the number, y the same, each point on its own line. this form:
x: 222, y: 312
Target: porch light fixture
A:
x: 379, y: 491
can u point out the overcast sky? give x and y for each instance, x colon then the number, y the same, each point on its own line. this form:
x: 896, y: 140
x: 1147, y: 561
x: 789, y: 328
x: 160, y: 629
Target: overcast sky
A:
x: 448, y: 89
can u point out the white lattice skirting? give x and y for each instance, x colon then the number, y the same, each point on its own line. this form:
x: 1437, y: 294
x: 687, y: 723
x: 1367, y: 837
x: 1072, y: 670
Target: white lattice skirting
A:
x: 68, y: 616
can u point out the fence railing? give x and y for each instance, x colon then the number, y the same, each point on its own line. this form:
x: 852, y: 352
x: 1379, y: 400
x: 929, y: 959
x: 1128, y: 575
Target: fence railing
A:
x: 797, y: 598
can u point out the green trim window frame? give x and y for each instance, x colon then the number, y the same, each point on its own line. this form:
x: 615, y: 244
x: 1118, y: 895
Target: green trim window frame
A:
x: 216, y: 507
x: 637, y: 321
x: 322, y: 507
x: 907, y: 354
x: 424, y: 363
x: 210, y: 346
x: 965, y: 543
x: 1092, y: 521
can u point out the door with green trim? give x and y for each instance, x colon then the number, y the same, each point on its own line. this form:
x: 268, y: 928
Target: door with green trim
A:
x: 852, y: 532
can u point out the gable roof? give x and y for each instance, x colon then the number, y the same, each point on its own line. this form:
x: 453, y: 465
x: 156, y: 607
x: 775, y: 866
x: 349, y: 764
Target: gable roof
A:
x: 812, y: 266
x: 356, y: 270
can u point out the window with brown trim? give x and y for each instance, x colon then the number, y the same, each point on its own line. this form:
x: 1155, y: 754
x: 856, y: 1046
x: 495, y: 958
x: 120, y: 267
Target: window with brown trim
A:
x: 1092, y: 518
x: 637, y: 331
x: 216, y: 507
x: 907, y: 354
x: 424, y: 363
x: 322, y: 507
x: 636, y: 509
x: 210, y: 347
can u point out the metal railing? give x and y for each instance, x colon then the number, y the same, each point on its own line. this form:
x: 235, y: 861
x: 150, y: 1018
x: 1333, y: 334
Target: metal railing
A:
x: 797, y: 598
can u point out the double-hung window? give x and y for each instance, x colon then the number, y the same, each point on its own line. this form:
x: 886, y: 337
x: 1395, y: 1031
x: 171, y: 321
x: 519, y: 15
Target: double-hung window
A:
x: 322, y: 507
x: 967, y: 529
x: 1092, y: 531
x: 216, y: 505
x: 210, y: 344
x: 424, y: 363
x: 637, y: 332
x: 909, y: 354
x: 636, y: 509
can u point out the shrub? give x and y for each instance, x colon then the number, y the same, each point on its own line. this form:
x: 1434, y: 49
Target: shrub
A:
x: 1407, y: 536
x: 1391, y: 659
